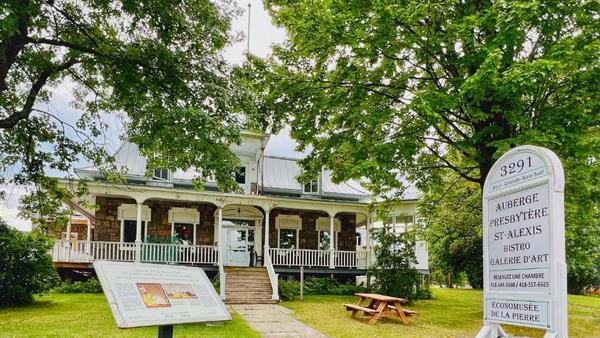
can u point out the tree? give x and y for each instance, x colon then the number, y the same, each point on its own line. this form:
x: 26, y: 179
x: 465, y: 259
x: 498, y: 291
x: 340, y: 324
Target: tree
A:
x: 158, y: 63
x: 25, y: 266
x: 452, y: 212
x: 410, y: 89
x: 377, y: 89
x: 393, y: 269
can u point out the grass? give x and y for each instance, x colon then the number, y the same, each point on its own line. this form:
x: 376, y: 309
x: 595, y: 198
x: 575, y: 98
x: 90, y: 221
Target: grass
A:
x: 88, y: 315
x: 452, y: 313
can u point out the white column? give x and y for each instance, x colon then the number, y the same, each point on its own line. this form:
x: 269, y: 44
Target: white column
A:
x: 88, y: 237
x: 267, y: 229
x: 331, y: 240
x: 219, y: 230
x: 138, y: 233
x: 368, y: 240
x: 394, y: 223
x: 194, y: 239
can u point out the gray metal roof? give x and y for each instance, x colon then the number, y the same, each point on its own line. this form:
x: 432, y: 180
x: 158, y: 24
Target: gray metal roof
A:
x: 280, y: 175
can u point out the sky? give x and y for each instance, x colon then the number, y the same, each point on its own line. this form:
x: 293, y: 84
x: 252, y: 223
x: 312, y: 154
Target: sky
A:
x: 263, y: 34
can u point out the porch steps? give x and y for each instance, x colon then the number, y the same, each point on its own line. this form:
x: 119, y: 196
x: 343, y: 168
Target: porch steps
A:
x: 244, y: 285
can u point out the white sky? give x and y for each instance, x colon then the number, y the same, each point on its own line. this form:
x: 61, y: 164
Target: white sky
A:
x: 262, y: 35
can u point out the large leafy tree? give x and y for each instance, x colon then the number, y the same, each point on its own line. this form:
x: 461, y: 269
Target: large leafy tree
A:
x: 388, y: 89
x: 156, y: 63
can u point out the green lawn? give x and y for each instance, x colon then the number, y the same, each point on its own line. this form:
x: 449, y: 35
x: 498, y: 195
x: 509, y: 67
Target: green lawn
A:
x: 453, y: 313
x: 87, y: 315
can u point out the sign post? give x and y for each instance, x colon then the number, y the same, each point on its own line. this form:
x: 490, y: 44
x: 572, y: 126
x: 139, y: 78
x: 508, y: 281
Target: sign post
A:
x: 524, y: 269
x: 140, y: 294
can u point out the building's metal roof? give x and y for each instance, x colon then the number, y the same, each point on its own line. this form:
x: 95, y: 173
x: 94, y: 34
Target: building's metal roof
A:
x: 280, y: 175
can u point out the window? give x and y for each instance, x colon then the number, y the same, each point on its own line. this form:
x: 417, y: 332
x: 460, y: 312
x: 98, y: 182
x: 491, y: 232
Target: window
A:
x: 184, y: 233
x: 161, y: 174
x: 312, y: 187
x: 240, y: 175
x: 358, y: 239
x: 288, y: 238
x: 129, y: 228
x: 324, y: 240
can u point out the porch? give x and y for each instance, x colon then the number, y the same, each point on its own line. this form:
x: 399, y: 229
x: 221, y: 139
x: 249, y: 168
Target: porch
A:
x: 86, y: 252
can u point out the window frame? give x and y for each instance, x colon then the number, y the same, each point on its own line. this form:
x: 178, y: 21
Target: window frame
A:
x: 335, y: 240
x: 159, y: 177
x: 311, y: 183
x: 297, y: 246
x: 245, y: 170
x: 184, y: 223
x: 122, y: 230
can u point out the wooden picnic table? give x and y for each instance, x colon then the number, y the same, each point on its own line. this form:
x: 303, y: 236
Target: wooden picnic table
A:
x: 378, y: 306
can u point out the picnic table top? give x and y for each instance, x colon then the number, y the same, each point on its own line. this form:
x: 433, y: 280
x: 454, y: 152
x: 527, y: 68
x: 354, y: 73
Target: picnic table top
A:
x: 379, y: 297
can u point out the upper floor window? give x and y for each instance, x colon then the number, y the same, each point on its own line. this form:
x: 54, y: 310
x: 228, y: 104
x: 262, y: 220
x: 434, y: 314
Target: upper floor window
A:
x: 240, y: 175
x: 311, y: 187
x: 161, y: 174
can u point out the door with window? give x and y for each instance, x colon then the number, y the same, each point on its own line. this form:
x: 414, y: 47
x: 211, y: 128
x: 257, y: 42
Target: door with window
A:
x: 239, y: 239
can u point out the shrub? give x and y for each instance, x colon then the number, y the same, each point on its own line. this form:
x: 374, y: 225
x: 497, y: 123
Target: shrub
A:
x: 329, y: 286
x: 91, y: 285
x: 25, y: 265
x: 288, y: 289
x: 394, y: 270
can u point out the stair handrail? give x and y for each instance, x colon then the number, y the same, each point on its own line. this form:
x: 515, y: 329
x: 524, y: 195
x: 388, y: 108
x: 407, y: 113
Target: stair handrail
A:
x: 273, y: 277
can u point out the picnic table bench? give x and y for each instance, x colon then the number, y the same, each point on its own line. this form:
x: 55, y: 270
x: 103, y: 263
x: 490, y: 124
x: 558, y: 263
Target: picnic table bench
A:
x: 378, y: 306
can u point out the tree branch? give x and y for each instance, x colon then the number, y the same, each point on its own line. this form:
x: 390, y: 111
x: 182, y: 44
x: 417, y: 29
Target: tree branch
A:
x: 11, y: 120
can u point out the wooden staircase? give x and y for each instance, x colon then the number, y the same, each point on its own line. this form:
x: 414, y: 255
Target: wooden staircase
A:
x: 244, y: 285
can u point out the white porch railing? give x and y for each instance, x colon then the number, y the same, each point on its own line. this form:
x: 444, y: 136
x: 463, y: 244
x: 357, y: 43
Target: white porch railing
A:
x: 88, y: 251
x: 318, y: 258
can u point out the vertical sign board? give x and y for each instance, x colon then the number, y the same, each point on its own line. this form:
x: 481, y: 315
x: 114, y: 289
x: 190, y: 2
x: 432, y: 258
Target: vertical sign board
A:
x: 142, y: 294
x: 524, y: 266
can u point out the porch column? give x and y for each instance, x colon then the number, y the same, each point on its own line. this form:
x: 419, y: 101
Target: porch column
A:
x: 138, y: 233
x: 394, y: 223
x: 267, y: 229
x: 331, y: 241
x: 88, y: 236
x: 219, y: 228
x: 69, y: 231
x: 368, y: 240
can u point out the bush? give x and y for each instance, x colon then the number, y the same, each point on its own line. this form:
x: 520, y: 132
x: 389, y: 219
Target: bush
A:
x: 91, y: 285
x: 394, y: 270
x: 25, y: 265
x: 289, y: 289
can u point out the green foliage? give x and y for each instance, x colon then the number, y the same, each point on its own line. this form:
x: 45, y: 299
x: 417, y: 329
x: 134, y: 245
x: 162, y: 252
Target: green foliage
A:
x: 290, y: 289
x: 453, y: 217
x: 91, y: 285
x: 393, y: 269
x: 25, y: 266
x: 386, y: 90
x: 156, y: 66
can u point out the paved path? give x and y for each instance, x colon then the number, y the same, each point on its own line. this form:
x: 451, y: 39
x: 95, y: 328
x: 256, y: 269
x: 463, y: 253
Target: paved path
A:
x: 274, y: 321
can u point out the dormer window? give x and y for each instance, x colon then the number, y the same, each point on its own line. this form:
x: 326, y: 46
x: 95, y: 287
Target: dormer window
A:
x: 240, y: 175
x: 161, y: 174
x: 311, y: 187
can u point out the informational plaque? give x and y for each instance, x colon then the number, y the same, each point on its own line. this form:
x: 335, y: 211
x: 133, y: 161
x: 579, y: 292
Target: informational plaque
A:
x: 524, y: 243
x: 155, y: 295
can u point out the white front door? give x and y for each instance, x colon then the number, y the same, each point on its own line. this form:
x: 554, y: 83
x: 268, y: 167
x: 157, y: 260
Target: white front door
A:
x: 237, y: 247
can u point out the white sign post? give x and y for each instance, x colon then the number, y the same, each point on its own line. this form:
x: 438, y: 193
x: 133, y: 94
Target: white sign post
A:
x: 162, y: 295
x: 524, y: 269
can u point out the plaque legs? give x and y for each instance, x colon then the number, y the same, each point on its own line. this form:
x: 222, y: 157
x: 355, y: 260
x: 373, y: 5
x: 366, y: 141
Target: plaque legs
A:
x: 165, y: 331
